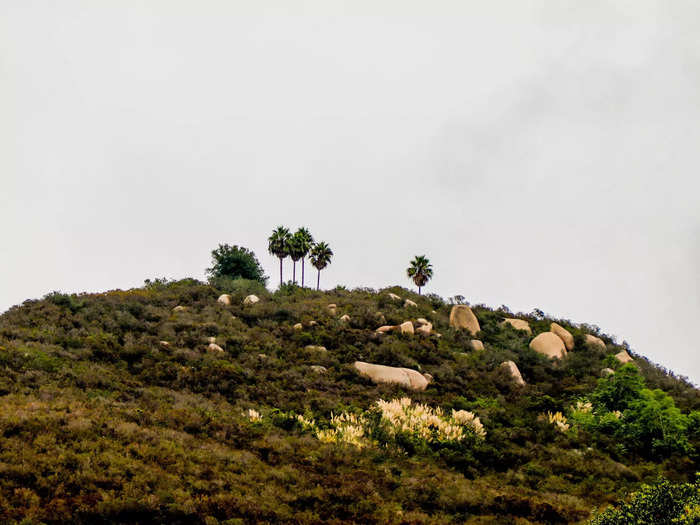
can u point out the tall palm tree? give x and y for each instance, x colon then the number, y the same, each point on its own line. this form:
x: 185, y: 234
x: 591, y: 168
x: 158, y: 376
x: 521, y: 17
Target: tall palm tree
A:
x: 306, y: 242
x: 296, y: 252
x: 320, y: 257
x: 420, y: 271
x: 278, y: 245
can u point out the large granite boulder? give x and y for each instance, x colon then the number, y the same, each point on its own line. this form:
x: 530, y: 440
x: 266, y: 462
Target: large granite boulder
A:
x: 251, y: 299
x: 623, y: 357
x: 563, y: 334
x: 224, y: 299
x: 405, y: 377
x: 592, y: 340
x: 549, y: 344
x: 405, y: 328
x: 425, y: 329
x: 519, y: 324
x: 475, y: 344
x: 513, y: 370
x: 462, y: 317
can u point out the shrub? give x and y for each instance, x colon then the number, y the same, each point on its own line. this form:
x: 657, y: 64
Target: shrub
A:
x: 236, y: 262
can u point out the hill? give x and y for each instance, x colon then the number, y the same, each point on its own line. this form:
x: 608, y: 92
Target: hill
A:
x: 116, y: 408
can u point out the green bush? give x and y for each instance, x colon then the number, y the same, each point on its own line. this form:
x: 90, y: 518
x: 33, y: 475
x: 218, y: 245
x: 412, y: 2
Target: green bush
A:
x: 236, y: 262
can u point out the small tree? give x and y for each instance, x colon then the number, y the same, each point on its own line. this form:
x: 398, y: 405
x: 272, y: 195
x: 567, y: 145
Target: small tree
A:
x: 278, y: 245
x: 321, y: 255
x: 420, y: 270
x: 236, y: 262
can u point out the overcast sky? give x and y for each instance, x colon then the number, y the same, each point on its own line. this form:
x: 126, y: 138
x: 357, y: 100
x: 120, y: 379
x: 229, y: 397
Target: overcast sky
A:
x: 542, y: 154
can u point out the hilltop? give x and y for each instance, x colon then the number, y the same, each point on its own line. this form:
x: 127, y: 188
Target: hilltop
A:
x: 165, y: 404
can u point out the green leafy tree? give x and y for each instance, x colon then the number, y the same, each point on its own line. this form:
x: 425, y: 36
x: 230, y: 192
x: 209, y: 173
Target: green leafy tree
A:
x: 278, y: 245
x: 320, y: 257
x: 617, y: 391
x: 236, y: 262
x: 306, y: 242
x: 420, y: 270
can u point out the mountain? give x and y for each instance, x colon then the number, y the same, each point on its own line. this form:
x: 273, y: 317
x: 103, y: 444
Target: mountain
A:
x: 162, y: 404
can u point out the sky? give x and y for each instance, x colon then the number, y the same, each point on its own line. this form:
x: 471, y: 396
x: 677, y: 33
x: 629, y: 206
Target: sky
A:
x: 541, y: 154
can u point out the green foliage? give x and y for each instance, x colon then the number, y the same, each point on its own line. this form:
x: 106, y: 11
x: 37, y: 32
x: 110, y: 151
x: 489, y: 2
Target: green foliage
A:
x: 663, y: 503
x: 617, y: 391
x: 235, y: 262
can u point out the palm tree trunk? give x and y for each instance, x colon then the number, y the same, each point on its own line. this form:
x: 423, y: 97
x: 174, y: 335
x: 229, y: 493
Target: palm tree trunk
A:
x: 280, y: 272
x: 294, y: 271
x: 318, y: 280
x: 302, y: 272
x: 419, y: 290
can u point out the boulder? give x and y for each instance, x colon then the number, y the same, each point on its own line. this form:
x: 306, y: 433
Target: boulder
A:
x: 214, y: 348
x: 623, y: 357
x: 462, y: 317
x: 251, y: 299
x: 164, y: 343
x: 312, y: 323
x: 405, y: 328
x: 179, y: 308
x: 298, y: 326
x: 394, y: 297
x: 605, y: 372
x: 318, y: 369
x: 385, y: 329
x: 563, y: 334
x: 405, y: 377
x: 592, y: 340
x: 475, y: 344
x: 262, y: 356
x: 519, y: 324
x: 408, y: 303
x: 315, y: 348
x: 345, y: 318
x: 512, y: 369
x: 421, y: 321
x: 332, y: 309
x: 224, y: 299
x: 425, y: 329
x: 211, y: 340
x: 549, y: 344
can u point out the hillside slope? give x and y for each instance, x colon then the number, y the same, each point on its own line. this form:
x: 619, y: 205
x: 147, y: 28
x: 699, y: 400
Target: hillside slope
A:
x: 113, y: 409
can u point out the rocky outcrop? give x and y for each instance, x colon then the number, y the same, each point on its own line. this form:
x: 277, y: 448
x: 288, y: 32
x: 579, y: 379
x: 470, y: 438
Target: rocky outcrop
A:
x: 462, y: 317
x: 475, y: 344
x: 224, y: 299
x: 519, y: 324
x: 385, y: 329
x: 512, y: 369
x: 592, y: 340
x: 251, y: 299
x: 408, y: 303
x: 405, y: 328
x: 563, y: 334
x: 318, y: 369
x: 394, y: 297
x: 425, y: 329
x: 605, y: 372
x: 211, y: 340
x: 623, y: 357
x: 422, y: 320
x: 405, y: 377
x: 549, y: 344
x: 215, y: 349
x: 345, y: 318
x: 315, y: 348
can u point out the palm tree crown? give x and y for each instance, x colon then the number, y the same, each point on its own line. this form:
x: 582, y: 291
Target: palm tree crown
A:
x: 420, y: 271
x: 320, y: 257
x: 278, y: 245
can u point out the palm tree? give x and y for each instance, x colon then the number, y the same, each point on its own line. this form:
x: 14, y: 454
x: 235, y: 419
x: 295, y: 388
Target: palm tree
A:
x: 320, y: 257
x: 420, y: 271
x: 296, y: 252
x: 306, y: 242
x: 278, y: 245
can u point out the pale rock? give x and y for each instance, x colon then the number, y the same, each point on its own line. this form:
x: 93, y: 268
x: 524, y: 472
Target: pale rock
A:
x: 549, y: 344
x: 605, y: 372
x: 519, y: 324
x: 563, y: 334
x: 405, y: 328
x: 332, y: 309
x: 251, y: 299
x: 425, y: 329
x: 214, y: 348
x: 394, y: 297
x: 405, y: 377
x: 298, y: 326
x: 421, y: 320
x: 462, y: 317
x: 345, y: 318
x: 623, y: 357
x: 318, y: 369
x: 592, y: 340
x: 164, y: 343
x: 315, y: 348
x: 512, y: 369
x: 224, y: 299
x: 179, y: 309
x: 312, y: 323
x: 385, y: 329
x: 211, y: 340
x: 408, y: 303
x: 475, y: 344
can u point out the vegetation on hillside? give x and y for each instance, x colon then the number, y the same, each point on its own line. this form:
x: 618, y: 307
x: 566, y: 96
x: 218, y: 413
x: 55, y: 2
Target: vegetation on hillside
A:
x: 115, y: 411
